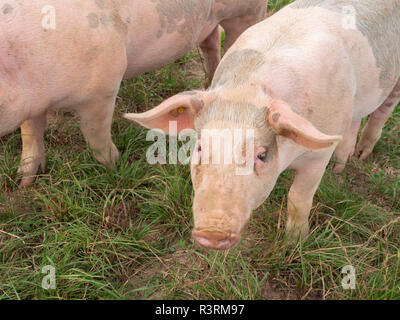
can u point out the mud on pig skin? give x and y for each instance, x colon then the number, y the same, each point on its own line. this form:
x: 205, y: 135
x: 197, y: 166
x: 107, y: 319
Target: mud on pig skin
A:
x: 80, y: 61
x: 302, y: 80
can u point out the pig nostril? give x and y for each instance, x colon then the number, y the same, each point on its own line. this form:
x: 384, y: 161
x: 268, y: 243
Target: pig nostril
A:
x: 215, y: 239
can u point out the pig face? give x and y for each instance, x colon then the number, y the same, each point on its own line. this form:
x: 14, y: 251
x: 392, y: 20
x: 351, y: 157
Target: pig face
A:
x: 237, y: 158
x: 227, y: 190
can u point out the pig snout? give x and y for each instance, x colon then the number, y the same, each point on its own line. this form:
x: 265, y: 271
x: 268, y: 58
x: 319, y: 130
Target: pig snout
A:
x: 216, y: 230
x: 218, y: 220
x: 215, y: 239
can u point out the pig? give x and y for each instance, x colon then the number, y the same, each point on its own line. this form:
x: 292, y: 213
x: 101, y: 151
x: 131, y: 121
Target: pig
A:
x: 302, y: 80
x: 74, y: 54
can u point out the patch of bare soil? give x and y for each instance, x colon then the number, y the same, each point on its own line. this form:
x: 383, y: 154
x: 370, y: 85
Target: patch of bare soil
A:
x: 63, y: 129
x: 172, y: 268
x: 196, y: 68
x: 119, y: 218
x: 270, y: 290
x: 358, y: 181
x: 14, y: 201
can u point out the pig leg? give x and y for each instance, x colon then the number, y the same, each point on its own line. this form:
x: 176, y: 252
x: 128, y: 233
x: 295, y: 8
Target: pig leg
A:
x: 233, y: 29
x: 373, y: 129
x: 345, y: 149
x: 96, y: 119
x: 308, y: 177
x: 33, y: 152
x: 211, y: 48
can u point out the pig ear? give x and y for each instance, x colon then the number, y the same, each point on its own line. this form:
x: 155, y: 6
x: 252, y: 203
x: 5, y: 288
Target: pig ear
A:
x: 181, y: 108
x: 289, y: 124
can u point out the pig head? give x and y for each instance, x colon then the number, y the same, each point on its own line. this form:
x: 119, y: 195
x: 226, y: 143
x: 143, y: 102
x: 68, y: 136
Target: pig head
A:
x: 298, y: 81
x: 260, y: 140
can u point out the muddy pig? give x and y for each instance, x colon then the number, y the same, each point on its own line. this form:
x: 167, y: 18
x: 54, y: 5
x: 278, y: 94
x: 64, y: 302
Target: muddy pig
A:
x: 73, y: 54
x: 302, y: 80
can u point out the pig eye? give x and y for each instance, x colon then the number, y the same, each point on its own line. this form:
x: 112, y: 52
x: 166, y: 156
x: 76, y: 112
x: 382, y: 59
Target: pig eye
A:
x: 263, y: 156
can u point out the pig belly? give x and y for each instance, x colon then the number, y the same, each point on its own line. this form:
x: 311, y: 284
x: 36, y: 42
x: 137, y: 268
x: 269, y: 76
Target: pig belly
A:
x: 154, y: 54
x: 148, y: 52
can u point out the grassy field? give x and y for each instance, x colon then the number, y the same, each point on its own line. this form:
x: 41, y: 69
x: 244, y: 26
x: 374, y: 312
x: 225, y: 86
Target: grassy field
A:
x: 125, y: 233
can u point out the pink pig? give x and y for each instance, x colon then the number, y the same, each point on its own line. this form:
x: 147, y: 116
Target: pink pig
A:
x: 74, y: 54
x: 302, y: 80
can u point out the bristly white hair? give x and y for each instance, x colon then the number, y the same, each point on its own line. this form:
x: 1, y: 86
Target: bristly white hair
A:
x: 236, y: 115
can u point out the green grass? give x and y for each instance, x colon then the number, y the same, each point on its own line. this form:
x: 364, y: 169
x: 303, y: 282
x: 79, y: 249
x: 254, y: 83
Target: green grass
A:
x: 125, y: 233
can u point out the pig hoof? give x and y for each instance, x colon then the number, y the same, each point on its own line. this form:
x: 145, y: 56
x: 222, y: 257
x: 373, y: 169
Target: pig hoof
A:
x: 366, y: 145
x: 30, y: 170
x: 26, y: 182
x: 294, y: 237
x: 338, y: 165
x: 363, y: 152
x: 114, y: 156
x: 109, y: 158
x: 338, y: 168
x: 298, y: 231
